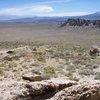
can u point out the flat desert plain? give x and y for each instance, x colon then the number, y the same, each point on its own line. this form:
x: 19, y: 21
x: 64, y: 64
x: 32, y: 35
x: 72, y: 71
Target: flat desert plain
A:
x: 49, y: 33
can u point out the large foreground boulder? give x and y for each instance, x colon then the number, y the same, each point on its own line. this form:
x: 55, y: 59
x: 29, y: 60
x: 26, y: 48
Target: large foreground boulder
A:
x: 54, y: 89
x: 41, y: 90
x: 63, y: 90
x: 45, y: 89
x: 82, y: 91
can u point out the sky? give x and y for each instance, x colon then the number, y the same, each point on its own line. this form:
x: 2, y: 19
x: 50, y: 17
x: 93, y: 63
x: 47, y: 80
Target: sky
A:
x: 48, y: 7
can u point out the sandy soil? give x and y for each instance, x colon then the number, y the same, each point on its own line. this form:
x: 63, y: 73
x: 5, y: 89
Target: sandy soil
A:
x: 47, y: 32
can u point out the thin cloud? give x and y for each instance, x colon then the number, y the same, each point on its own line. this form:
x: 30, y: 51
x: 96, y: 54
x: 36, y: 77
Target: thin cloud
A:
x: 53, y: 1
x: 39, y: 9
x: 68, y: 14
x: 27, y: 11
x: 47, y: 2
x: 56, y: 1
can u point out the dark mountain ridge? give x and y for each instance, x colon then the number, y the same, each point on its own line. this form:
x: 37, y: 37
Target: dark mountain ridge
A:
x: 81, y: 22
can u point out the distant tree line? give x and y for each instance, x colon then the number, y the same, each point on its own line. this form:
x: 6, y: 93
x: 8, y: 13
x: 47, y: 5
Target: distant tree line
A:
x: 81, y: 22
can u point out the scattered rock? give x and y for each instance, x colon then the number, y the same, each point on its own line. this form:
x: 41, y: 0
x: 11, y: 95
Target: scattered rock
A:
x: 36, y: 72
x: 94, y: 51
x: 10, y: 52
x: 32, y: 77
x: 34, y: 49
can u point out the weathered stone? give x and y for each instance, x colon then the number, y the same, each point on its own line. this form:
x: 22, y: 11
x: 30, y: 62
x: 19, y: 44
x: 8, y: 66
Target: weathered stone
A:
x: 10, y: 52
x: 9, y: 90
x: 54, y: 89
x: 46, y: 89
x: 94, y: 50
x: 32, y: 77
x: 83, y: 91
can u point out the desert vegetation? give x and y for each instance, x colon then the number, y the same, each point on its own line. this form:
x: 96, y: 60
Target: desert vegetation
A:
x: 39, y: 61
x: 74, y: 62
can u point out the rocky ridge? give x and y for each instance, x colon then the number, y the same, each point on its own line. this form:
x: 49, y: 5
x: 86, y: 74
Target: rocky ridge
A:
x: 81, y: 23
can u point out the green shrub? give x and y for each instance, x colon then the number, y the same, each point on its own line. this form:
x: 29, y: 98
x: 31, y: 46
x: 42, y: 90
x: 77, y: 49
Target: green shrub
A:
x: 8, y: 58
x: 97, y: 77
x: 69, y: 74
x: 1, y: 71
x: 12, y: 65
x: 47, y: 76
x: 3, y: 65
x: 71, y: 68
x: 74, y: 78
x: 49, y: 70
x: 86, y: 72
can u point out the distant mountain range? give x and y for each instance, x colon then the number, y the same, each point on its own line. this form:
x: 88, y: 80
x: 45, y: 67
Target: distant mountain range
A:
x: 40, y: 20
x: 8, y: 17
x: 94, y: 16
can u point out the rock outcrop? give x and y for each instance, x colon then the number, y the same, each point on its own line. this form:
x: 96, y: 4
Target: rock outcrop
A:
x: 40, y: 90
x: 81, y: 22
x: 82, y: 91
x: 32, y: 77
x: 10, y: 89
x: 45, y: 89
x: 95, y: 50
x: 54, y: 89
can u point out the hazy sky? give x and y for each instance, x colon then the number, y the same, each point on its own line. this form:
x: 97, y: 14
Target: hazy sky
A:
x: 48, y: 7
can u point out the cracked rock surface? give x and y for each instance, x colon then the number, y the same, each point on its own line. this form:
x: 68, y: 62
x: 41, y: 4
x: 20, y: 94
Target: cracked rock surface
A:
x: 54, y: 89
x: 81, y: 91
